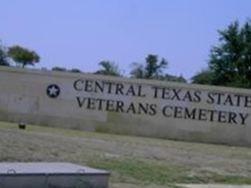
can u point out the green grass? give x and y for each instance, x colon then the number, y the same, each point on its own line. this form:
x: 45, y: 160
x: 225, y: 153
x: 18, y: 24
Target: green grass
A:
x: 164, y: 174
x: 135, y: 160
x: 143, y: 171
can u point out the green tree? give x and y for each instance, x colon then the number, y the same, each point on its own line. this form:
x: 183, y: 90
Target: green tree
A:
x: 153, y: 69
x: 172, y: 78
x: 138, y: 71
x: 75, y: 70
x: 230, y: 60
x: 203, y: 77
x: 3, y: 56
x: 59, y: 69
x: 108, y: 68
x: 23, y: 56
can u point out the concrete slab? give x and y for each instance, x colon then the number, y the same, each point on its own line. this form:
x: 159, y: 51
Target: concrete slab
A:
x: 47, y: 168
x: 51, y: 175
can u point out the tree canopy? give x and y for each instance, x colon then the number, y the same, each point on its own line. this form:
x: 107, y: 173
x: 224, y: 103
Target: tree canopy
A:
x: 230, y: 60
x: 203, y: 77
x: 152, y: 69
x: 173, y: 78
x: 108, y: 68
x: 3, y: 56
x: 75, y: 70
x: 59, y: 69
x: 23, y: 56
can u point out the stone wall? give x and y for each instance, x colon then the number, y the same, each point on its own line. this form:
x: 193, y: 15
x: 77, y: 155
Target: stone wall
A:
x: 126, y: 106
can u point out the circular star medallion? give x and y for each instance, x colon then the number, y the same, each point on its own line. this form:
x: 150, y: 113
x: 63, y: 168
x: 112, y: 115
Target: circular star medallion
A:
x: 53, y: 91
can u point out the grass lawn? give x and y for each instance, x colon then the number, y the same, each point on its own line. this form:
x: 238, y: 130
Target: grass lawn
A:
x: 132, y: 161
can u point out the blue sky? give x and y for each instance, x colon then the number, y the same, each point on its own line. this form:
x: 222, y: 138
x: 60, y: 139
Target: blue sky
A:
x: 81, y: 33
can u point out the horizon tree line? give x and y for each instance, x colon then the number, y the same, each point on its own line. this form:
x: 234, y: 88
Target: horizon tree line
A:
x: 229, y: 61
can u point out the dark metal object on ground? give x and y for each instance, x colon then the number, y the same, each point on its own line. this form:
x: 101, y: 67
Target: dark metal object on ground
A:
x: 22, y: 125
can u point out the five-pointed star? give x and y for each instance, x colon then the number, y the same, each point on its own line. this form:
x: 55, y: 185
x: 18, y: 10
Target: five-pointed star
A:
x: 53, y: 91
